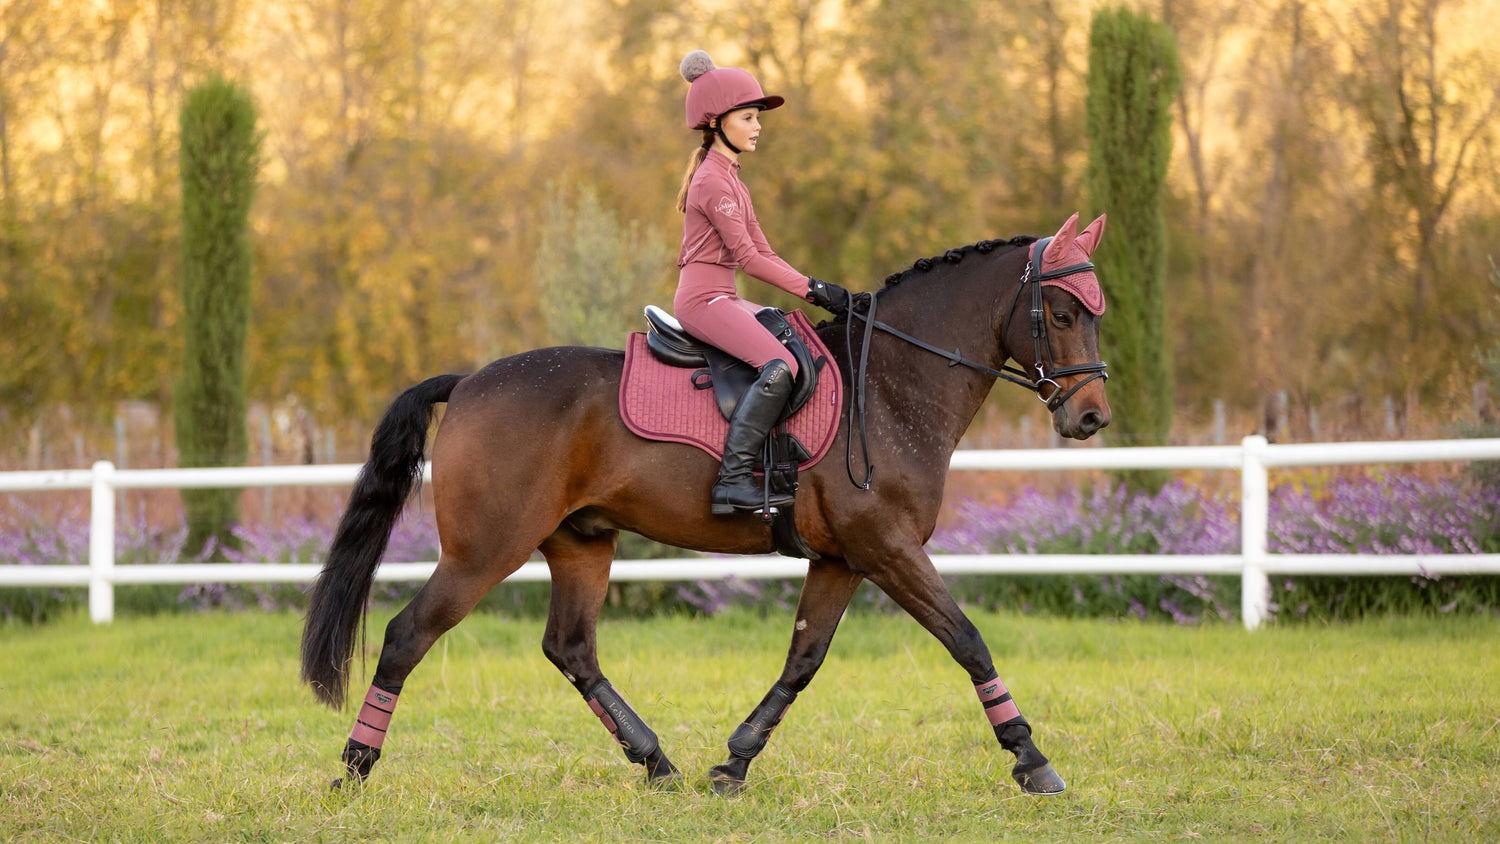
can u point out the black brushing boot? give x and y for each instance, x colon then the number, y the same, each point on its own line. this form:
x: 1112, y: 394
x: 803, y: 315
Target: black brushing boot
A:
x: 753, y: 419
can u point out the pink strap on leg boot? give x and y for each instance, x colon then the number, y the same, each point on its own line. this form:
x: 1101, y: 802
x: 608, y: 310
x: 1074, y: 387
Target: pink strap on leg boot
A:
x: 374, y: 717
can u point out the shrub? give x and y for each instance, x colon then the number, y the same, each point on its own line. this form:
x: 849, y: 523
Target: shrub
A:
x: 1387, y: 514
x: 1108, y: 519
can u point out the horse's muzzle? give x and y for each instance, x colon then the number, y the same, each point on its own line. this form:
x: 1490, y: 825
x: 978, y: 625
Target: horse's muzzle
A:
x: 1081, y: 418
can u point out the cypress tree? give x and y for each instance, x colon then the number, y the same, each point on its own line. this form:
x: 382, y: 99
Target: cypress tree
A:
x: 219, y: 161
x: 1133, y: 77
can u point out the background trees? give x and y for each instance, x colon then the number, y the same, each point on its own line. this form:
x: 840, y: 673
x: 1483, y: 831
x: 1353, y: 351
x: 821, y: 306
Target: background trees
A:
x: 1329, y: 204
x: 594, y: 274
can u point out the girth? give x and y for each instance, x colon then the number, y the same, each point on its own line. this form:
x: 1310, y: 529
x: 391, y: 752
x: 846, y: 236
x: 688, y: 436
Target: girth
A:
x: 728, y: 376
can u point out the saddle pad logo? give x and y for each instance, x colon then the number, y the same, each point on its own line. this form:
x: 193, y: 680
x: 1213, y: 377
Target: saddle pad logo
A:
x: 728, y: 207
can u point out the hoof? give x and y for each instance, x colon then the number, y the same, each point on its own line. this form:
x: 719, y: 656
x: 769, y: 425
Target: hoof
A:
x: 336, y: 785
x: 727, y: 786
x: 1043, y: 780
x: 661, y: 774
x: 728, y: 779
x: 359, y: 760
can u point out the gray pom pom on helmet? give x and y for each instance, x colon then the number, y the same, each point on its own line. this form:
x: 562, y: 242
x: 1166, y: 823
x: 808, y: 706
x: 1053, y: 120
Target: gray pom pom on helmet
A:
x: 695, y: 64
x: 715, y: 91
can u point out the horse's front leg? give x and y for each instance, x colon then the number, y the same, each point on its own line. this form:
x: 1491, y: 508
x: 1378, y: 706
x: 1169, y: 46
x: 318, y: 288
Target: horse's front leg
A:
x: 908, y: 576
x: 825, y: 595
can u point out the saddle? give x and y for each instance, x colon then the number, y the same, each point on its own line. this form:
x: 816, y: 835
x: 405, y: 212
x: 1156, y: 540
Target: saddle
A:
x: 728, y: 376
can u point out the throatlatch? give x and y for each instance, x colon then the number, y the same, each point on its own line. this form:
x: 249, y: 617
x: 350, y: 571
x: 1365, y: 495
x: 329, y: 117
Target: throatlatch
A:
x: 637, y: 739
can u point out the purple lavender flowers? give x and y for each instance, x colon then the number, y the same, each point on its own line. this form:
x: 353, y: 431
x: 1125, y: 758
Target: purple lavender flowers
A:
x: 1310, y: 514
x: 1386, y: 514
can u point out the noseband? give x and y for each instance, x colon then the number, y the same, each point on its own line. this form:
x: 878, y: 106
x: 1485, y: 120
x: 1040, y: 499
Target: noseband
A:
x: 1047, y: 372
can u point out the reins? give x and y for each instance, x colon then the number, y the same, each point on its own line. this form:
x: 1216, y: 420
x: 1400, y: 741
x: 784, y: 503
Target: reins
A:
x: 1046, y: 372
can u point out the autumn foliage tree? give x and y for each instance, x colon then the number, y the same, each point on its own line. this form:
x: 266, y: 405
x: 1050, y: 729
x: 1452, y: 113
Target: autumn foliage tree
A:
x: 219, y: 161
x: 403, y: 204
x: 595, y: 273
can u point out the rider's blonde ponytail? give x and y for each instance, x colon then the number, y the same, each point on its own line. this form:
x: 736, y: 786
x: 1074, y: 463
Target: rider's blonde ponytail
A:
x: 687, y: 180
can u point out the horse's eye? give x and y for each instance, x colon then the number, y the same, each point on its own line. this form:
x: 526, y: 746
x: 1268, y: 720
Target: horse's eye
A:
x: 1062, y: 319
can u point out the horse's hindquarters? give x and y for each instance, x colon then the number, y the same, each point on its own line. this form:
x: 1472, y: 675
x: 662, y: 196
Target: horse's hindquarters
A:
x: 536, y: 439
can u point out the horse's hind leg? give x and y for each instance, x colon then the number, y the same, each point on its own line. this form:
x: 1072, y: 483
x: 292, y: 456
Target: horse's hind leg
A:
x: 825, y: 595
x: 908, y: 576
x: 441, y: 603
x: 579, y: 564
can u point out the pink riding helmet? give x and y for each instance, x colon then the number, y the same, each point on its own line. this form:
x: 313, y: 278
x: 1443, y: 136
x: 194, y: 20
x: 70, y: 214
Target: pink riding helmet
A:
x: 715, y: 91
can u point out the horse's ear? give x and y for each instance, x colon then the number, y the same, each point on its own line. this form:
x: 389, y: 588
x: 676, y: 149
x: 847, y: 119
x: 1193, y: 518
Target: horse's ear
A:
x: 1057, y: 248
x: 1089, y: 238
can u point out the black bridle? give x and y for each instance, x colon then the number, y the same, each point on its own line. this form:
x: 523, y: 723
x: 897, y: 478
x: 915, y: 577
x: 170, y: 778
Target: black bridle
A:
x: 1047, y: 372
x: 1041, y: 349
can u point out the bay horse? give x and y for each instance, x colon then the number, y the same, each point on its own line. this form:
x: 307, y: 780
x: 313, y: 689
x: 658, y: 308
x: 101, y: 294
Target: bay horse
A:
x: 532, y: 454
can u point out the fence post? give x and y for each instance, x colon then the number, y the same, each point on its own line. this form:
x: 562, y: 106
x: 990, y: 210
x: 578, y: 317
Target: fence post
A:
x: 1255, y: 505
x: 102, y: 544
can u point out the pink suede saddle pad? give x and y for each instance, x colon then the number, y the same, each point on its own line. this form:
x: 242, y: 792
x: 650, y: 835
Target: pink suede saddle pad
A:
x: 659, y: 402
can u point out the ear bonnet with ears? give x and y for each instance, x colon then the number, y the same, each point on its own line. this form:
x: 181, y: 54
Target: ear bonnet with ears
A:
x: 716, y: 91
x: 1069, y: 247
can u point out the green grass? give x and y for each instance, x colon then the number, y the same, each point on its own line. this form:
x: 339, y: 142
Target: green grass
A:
x: 194, y: 728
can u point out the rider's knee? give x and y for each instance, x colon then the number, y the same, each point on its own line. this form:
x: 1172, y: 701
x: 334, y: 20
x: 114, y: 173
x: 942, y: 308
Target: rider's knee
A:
x: 789, y: 363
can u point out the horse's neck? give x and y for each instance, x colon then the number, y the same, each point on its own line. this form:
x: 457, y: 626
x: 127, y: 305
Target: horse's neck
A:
x: 927, y: 399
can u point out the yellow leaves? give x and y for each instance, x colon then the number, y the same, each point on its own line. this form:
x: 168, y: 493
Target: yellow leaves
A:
x: 399, y: 220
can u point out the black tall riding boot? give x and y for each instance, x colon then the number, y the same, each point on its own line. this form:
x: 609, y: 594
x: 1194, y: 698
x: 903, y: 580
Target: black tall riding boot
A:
x: 753, y: 419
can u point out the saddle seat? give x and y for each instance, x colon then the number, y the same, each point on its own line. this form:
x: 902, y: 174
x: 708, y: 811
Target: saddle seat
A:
x: 728, y: 376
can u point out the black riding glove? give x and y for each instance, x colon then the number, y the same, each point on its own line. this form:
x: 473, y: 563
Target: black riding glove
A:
x: 828, y: 296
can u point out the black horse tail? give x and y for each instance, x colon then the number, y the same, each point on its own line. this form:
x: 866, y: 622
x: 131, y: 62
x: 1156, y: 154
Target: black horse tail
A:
x: 338, y: 600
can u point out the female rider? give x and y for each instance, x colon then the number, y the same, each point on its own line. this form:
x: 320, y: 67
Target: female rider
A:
x: 719, y: 234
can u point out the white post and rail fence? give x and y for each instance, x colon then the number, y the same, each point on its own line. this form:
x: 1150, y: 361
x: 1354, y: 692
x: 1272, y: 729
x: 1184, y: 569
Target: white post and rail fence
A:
x: 1251, y: 458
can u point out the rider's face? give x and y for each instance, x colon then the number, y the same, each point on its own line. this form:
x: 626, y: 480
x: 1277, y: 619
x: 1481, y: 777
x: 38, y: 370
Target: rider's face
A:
x: 742, y: 127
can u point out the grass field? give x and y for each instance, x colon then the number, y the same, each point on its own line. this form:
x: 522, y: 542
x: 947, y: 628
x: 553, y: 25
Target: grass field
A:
x: 194, y: 728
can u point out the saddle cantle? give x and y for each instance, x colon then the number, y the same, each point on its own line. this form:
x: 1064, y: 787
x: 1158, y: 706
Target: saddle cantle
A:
x: 729, y: 376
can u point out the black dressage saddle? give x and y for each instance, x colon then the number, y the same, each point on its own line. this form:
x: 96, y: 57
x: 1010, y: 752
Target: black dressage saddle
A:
x: 728, y: 376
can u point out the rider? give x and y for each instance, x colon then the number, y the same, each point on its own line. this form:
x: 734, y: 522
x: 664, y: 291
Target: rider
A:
x: 720, y: 233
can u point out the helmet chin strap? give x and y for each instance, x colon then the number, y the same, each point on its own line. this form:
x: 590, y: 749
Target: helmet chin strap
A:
x: 719, y: 130
x: 718, y: 127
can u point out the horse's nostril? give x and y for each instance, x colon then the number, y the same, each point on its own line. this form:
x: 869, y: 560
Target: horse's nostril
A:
x: 1091, y: 421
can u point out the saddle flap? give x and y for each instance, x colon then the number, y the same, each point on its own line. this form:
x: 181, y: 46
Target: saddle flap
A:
x: 729, y: 377
x: 776, y: 322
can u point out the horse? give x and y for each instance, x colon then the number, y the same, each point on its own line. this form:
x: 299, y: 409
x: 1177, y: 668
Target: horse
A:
x: 532, y: 454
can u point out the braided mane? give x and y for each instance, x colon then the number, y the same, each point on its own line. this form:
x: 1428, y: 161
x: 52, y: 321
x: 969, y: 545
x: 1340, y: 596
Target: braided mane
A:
x: 953, y: 256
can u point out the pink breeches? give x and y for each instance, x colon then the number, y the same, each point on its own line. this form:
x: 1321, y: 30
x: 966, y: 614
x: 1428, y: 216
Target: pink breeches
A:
x: 707, y: 306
